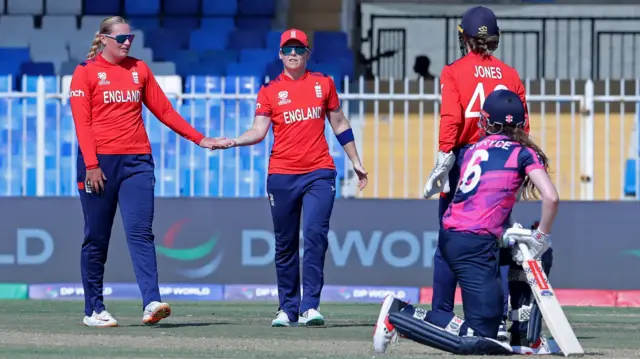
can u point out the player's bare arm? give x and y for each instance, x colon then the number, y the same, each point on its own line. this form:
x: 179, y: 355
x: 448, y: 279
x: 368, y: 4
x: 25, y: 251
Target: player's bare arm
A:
x: 342, y: 129
x: 549, y: 196
x: 340, y: 124
x: 255, y: 134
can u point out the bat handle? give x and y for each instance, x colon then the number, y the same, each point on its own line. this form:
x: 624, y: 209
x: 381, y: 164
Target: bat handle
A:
x: 518, y: 232
x: 526, y: 254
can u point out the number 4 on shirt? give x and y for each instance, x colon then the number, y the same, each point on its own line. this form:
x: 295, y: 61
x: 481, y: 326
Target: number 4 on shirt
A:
x: 479, y: 94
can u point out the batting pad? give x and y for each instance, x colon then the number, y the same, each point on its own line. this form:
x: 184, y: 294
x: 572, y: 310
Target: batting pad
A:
x: 534, y: 328
x: 521, y: 296
x: 430, y: 335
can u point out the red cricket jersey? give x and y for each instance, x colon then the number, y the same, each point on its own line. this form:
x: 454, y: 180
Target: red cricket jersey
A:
x: 465, y: 84
x: 298, y: 109
x: 106, y: 102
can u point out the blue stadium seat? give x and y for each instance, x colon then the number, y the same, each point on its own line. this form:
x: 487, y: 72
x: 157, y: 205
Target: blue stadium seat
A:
x: 258, y: 55
x: 204, y: 69
x: 11, y: 59
x: 203, y: 40
x: 219, y: 7
x: 274, y: 69
x: 102, y: 7
x: 183, y: 59
x: 142, y: 7
x: 144, y: 23
x: 235, y: 82
x: 203, y: 84
x: 10, y: 123
x: 52, y: 85
x: 246, y: 39
x: 181, y: 23
x: 630, y: 178
x: 162, y: 41
x: 255, y: 69
x: 330, y: 69
x: 218, y: 24
x: 273, y: 40
x: 181, y: 7
x: 327, y: 43
x: 37, y: 68
x: 346, y: 61
x: 257, y: 7
x: 220, y: 57
x: 255, y: 23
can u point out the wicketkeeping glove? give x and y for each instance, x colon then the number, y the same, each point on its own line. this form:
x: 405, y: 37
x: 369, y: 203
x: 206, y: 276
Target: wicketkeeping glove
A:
x: 438, y: 180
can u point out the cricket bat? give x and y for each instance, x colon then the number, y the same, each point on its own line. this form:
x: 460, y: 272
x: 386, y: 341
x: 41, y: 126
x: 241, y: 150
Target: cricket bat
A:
x: 545, y: 296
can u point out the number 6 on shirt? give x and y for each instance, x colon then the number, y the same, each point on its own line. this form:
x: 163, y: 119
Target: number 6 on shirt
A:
x: 472, y: 173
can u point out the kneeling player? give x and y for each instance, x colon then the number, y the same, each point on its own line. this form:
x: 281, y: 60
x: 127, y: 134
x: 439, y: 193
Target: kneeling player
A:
x: 493, y: 171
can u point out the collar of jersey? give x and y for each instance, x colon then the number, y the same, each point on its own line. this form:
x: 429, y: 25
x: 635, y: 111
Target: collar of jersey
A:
x: 287, y: 78
x: 494, y: 137
x: 103, y: 61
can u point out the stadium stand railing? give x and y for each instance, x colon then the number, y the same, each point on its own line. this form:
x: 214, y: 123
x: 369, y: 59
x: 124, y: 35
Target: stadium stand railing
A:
x: 589, y: 136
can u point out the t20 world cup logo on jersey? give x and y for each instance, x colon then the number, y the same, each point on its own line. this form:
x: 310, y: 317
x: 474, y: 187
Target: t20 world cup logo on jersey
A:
x: 102, y: 76
x: 284, y: 98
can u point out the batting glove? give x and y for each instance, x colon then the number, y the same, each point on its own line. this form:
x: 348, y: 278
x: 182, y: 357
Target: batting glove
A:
x: 438, y: 180
x: 539, y: 243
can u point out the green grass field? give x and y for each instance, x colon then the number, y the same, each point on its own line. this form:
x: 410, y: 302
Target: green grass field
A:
x: 44, y: 329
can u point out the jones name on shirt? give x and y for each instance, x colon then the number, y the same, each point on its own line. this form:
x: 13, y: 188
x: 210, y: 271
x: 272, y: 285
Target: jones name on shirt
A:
x: 303, y: 114
x: 120, y: 96
x: 488, y: 72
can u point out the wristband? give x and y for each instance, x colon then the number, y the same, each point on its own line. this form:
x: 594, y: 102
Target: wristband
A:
x: 345, y: 137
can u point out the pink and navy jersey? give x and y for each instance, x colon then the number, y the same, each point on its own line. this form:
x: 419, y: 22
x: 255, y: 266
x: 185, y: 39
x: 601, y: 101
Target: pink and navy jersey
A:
x: 492, y: 173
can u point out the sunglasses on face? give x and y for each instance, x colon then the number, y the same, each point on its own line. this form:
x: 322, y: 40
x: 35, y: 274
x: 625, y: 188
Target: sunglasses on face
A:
x: 300, y: 50
x: 121, y: 39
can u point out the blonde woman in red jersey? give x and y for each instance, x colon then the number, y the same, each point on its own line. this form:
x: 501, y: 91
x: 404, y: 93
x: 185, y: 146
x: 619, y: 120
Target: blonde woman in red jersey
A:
x: 301, y: 174
x: 115, y: 166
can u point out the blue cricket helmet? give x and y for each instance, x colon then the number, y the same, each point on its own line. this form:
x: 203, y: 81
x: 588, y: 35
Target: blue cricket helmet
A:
x: 503, y: 108
x: 478, y: 20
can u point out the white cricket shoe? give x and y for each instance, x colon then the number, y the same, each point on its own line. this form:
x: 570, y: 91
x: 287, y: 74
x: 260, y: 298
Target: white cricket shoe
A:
x: 311, y: 318
x: 102, y: 320
x: 543, y: 346
x: 282, y: 321
x: 384, y: 332
x: 503, y: 334
x: 155, y: 312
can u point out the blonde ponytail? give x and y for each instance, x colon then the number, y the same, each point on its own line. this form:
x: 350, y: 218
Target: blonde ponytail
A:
x: 105, y: 28
x: 95, y: 46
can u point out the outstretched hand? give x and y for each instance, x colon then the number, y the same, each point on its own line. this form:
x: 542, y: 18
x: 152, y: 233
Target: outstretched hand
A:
x: 216, y: 143
x: 362, y: 176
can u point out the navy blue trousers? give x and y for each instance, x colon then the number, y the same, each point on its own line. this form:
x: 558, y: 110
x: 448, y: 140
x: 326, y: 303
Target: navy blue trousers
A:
x: 130, y: 185
x: 475, y: 263
x: 310, y: 196
x: 444, y: 282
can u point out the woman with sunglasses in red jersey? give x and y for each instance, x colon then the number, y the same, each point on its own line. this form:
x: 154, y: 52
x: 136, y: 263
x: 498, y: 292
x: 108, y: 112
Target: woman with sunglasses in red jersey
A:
x: 115, y: 166
x: 302, y: 174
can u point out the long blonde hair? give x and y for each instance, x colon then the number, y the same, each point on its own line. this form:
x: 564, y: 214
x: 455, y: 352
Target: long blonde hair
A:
x: 105, y: 28
x: 517, y: 134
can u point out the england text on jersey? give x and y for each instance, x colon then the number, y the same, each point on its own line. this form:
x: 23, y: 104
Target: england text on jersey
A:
x: 106, y: 102
x: 298, y: 109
